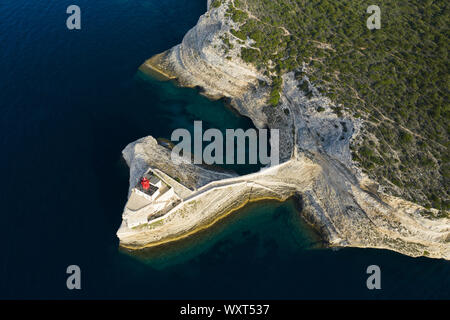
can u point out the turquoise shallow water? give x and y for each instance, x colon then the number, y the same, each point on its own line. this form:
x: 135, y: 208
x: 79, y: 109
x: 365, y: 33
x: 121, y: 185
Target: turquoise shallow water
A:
x: 255, y: 223
x: 69, y: 103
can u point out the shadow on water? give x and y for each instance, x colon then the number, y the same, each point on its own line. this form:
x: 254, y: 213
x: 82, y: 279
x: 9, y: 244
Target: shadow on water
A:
x: 266, y: 251
x: 179, y: 107
x: 267, y: 227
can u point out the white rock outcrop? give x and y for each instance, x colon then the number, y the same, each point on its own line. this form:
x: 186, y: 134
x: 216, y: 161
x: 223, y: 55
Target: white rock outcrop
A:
x: 343, y: 205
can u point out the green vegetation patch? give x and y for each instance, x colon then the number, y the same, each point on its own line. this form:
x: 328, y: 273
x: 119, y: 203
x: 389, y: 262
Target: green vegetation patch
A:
x: 396, y: 78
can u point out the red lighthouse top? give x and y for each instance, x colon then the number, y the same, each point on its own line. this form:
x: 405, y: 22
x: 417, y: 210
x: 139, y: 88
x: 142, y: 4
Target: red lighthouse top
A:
x: 145, y: 183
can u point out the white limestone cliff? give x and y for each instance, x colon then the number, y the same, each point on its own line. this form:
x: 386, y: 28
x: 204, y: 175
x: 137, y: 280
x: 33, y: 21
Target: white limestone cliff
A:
x: 342, y: 204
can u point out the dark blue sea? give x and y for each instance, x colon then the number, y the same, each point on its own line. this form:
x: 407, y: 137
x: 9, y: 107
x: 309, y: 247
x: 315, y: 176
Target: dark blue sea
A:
x: 70, y: 101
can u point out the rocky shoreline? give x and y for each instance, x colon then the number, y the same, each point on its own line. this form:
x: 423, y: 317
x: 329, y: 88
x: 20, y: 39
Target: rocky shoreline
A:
x: 343, y: 205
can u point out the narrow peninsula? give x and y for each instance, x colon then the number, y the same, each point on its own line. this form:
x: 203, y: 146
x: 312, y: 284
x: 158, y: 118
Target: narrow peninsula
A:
x: 339, y: 198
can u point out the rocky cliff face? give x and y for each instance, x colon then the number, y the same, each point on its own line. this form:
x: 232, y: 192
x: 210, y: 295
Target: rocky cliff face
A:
x: 200, y: 60
x: 346, y: 211
x: 341, y: 203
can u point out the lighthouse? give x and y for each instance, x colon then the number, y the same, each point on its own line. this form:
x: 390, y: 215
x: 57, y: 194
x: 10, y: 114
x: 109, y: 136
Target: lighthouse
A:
x: 145, y: 183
